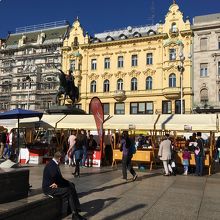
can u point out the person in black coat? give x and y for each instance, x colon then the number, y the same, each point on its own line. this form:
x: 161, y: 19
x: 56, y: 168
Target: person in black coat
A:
x: 54, y: 184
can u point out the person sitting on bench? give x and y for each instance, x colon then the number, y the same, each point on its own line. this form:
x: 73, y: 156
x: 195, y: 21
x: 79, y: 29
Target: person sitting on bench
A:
x: 55, y: 185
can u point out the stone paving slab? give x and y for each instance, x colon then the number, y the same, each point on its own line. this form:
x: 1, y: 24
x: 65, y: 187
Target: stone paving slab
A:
x: 105, y: 195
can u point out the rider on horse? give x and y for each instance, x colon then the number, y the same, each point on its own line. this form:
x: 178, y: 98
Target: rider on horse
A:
x: 67, y: 87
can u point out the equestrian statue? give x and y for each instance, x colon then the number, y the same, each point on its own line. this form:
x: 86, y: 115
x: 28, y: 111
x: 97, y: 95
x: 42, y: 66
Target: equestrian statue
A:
x: 67, y: 87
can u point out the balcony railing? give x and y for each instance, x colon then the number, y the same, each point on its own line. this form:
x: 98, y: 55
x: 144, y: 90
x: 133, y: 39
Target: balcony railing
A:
x: 172, y: 92
x: 119, y: 95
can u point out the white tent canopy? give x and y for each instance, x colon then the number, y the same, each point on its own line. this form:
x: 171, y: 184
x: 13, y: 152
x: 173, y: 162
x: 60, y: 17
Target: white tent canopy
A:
x: 194, y: 122
x: 47, y: 121
x: 139, y: 122
x: 77, y: 122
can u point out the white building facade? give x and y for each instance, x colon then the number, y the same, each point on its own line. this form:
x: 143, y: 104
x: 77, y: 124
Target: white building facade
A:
x: 206, y: 63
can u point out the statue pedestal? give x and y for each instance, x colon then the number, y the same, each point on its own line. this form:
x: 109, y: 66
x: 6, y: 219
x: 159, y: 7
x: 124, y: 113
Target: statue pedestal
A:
x: 66, y: 110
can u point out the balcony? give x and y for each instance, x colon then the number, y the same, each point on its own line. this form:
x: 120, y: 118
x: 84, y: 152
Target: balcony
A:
x: 171, y: 93
x: 119, y: 95
x: 174, y: 32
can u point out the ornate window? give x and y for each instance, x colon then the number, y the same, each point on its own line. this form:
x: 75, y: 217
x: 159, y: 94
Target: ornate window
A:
x: 141, y: 108
x: 204, y: 95
x: 93, y: 86
x: 119, y: 84
x: 203, y: 69
x: 134, y: 60
x: 172, y: 80
x: 106, y: 108
x: 174, y: 27
x: 106, y: 86
x: 149, y: 60
x: 120, y: 61
x: 107, y: 63
x: 134, y: 84
x: 149, y: 83
x: 93, y: 64
x: 119, y: 108
x: 166, y: 107
x: 172, y: 53
x: 72, y: 65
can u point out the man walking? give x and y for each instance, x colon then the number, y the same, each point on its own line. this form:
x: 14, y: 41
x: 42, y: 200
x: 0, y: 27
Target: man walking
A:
x: 165, y: 153
x: 199, y: 154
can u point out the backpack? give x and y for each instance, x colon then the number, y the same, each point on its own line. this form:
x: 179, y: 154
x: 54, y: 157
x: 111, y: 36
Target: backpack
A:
x: 133, y: 149
x: 131, y: 144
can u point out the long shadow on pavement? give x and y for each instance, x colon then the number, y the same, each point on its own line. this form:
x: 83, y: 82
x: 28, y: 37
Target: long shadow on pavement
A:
x: 101, y: 189
x: 124, y: 212
x: 94, y: 206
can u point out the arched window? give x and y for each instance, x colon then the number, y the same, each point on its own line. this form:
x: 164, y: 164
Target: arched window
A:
x: 149, y: 82
x: 93, y: 86
x: 134, y: 84
x: 75, y: 42
x: 172, y: 80
x: 204, y: 95
x: 106, y: 86
x: 174, y: 27
x: 120, y: 84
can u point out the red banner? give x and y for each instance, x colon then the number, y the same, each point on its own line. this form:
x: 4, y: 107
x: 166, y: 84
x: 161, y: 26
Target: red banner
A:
x: 97, y: 110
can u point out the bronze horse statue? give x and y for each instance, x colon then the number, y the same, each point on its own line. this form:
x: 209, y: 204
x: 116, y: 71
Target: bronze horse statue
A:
x: 67, y: 87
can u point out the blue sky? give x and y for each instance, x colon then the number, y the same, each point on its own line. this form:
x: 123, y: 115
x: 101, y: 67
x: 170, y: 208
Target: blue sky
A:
x: 95, y: 15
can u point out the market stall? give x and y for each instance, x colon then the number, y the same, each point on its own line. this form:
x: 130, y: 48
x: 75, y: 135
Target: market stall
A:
x: 38, y: 136
x: 137, y: 125
x: 182, y: 125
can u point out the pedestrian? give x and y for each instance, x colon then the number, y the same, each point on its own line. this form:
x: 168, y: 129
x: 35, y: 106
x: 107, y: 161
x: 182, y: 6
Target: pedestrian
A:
x: 165, y: 153
x: 85, y: 146
x: 71, y: 143
x: 78, y: 153
x: 55, y: 185
x: 217, y: 148
x: 199, y: 154
x: 3, y: 140
x: 186, y: 157
x: 7, y: 150
x: 126, y: 148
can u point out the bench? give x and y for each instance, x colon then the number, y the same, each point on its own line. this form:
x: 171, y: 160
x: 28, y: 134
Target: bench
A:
x: 14, y: 184
x: 34, y: 207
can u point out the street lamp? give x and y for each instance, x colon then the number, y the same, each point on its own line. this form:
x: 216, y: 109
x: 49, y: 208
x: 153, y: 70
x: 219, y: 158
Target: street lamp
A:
x: 181, y: 70
x: 28, y: 79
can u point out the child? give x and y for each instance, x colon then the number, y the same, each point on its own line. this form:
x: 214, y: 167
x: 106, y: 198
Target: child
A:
x: 186, y: 158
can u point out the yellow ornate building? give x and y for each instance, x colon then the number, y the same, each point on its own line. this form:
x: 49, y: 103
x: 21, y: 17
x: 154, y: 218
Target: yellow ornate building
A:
x: 136, y: 70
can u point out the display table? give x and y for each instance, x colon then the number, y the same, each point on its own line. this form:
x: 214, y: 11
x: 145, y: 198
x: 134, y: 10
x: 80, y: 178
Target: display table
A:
x: 33, y: 156
x: 24, y: 156
x: 144, y: 156
x: 207, y: 161
x: 93, y: 158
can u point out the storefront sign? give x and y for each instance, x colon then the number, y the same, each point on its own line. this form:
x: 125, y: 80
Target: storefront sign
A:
x: 187, y: 128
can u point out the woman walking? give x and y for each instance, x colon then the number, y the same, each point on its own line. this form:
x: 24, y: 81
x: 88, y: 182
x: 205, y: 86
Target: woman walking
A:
x: 126, y: 148
x: 78, y: 153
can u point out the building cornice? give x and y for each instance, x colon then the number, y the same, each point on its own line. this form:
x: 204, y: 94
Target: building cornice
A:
x: 127, y: 41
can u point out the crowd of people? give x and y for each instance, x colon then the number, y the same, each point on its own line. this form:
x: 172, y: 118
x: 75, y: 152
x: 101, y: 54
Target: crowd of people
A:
x: 7, y: 144
x: 79, y: 144
x: 194, y: 145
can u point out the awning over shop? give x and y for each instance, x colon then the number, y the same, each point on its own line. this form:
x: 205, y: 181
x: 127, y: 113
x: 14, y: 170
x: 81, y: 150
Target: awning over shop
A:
x: 125, y: 122
x: 190, y: 122
x: 77, y: 122
x: 47, y: 121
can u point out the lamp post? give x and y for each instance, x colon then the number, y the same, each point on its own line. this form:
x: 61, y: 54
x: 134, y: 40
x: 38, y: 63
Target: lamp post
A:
x: 28, y: 78
x: 181, y: 70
